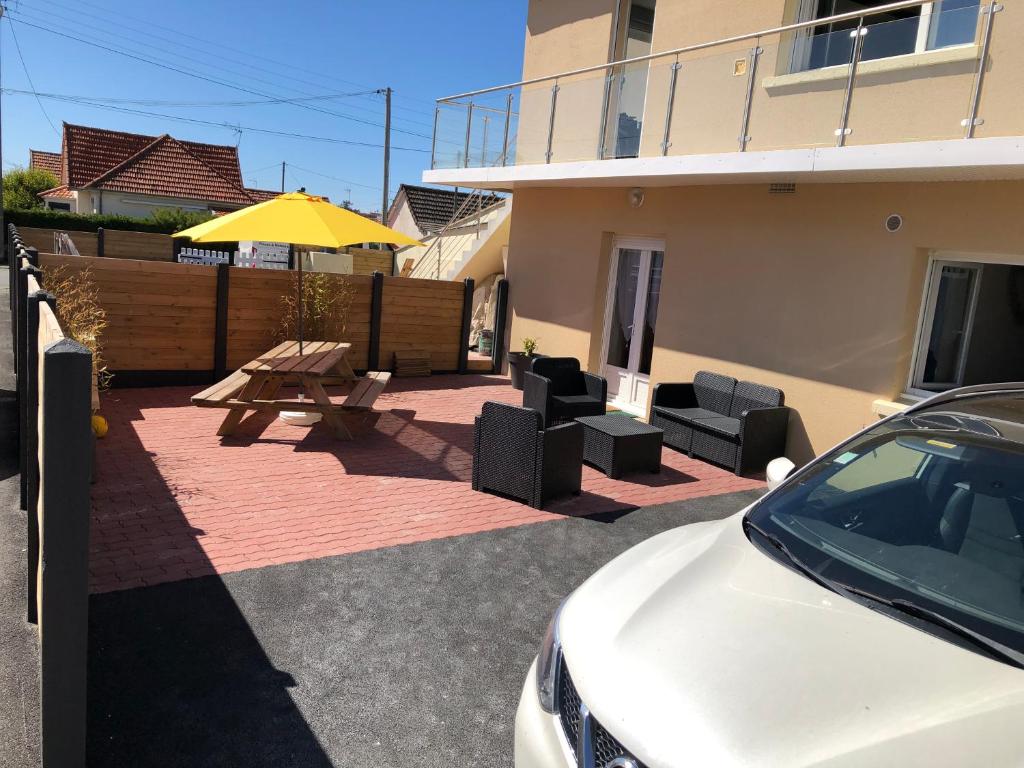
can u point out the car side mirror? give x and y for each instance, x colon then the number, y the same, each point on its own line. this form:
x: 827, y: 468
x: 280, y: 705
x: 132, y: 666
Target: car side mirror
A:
x: 778, y: 470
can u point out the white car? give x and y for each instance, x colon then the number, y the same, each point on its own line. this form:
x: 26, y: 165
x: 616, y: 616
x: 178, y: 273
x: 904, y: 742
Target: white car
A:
x: 867, y: 611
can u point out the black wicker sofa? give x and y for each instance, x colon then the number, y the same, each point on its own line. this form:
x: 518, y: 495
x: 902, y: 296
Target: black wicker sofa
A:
x: 739, y: 424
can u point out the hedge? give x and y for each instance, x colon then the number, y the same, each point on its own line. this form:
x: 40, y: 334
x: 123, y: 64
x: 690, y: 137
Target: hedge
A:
x: 82, y: 222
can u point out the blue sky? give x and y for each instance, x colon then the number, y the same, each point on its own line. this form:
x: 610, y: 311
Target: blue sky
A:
x: 423, y: 49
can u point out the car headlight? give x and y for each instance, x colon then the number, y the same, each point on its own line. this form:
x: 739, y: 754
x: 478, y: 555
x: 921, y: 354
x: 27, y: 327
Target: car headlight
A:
x: 547, y: 664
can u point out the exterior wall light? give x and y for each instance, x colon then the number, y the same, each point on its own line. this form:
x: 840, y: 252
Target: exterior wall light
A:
x: 636, y: 197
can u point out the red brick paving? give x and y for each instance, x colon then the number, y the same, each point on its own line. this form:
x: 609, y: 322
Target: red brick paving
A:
x: 173, y: 501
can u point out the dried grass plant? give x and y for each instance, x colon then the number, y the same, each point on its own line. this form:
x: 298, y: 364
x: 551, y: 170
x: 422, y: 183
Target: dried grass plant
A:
x: 79, y: 312
x: 327, y: 300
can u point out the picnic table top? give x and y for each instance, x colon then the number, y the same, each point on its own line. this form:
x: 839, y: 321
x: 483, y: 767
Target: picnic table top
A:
x: 318, y: 358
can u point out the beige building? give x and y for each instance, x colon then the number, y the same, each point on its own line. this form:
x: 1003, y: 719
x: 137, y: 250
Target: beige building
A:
x: 832, y: 207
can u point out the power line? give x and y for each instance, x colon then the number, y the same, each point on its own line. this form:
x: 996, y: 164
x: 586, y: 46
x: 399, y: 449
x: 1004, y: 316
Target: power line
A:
x: 226, y: 125
x: 333, y: 178
x: 206, y: 78
x: 28, y: 77
x: 220, y: 46
x: 248, y: 63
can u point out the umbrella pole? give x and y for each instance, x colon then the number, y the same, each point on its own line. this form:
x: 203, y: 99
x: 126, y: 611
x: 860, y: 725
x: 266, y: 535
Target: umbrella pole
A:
x: 302, y: 298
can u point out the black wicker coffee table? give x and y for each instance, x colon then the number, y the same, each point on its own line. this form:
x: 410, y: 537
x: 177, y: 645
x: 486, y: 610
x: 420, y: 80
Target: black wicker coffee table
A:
x: 617, y: 445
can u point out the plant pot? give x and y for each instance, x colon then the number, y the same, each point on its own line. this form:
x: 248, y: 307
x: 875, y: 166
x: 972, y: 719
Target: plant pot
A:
x: 518, y: 364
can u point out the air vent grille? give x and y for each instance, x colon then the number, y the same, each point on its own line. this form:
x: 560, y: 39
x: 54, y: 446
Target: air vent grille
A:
x: 781, y: 189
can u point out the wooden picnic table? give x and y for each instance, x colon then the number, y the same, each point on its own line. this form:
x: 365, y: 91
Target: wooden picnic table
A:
x: 254, y: 386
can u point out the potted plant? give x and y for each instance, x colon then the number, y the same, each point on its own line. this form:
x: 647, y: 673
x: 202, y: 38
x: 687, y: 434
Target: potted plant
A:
x: 520, y: 362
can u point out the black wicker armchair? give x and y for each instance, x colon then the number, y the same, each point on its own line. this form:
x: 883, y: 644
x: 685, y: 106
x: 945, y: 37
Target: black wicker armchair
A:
x: 514, y: 455
x: 561, y: 391
x: 742, y: 425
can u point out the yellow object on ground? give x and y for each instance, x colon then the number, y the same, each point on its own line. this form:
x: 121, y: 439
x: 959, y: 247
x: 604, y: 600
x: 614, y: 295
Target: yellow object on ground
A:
x: 99, y: 425
x: 296, y: 218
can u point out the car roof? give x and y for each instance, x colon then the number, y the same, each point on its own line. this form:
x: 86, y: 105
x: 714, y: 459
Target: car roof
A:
x: 992, y: 411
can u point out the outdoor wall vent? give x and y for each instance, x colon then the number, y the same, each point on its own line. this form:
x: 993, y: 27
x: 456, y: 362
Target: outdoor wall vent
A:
x: 894, y: 222
x: 781, y: 189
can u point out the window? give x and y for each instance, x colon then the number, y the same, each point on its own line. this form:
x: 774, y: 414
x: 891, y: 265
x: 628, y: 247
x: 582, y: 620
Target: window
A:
x: 927, y: 27
x: 628, y: 97
x: 972, y: 325
x: 58, y: 206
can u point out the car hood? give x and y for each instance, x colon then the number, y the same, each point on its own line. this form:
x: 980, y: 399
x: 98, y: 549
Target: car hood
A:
x: 697, y: 648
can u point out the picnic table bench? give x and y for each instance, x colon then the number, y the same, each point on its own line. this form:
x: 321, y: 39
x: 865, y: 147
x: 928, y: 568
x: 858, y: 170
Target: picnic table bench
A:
x: 255, y: 385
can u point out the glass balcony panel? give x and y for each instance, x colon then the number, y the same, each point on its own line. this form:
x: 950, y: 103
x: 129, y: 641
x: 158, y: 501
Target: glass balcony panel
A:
x: 577, y: 126
x: 450, y: 136
x: 710, y: 92
x: 658, y: 83
x: 916, y: 103
x: 532, y: 124
x: 799, y: 114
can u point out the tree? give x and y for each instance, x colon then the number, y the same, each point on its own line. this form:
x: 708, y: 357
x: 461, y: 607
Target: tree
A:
x: 23, y: 185
x: 175, y: 219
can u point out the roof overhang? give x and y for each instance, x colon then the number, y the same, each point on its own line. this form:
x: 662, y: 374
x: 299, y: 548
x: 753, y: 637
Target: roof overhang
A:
x: 948, y: 160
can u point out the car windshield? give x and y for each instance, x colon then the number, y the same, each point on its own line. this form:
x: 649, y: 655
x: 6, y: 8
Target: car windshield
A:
x: 927, y: 508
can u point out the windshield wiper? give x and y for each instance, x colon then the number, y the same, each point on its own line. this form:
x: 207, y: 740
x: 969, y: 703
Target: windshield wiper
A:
x: 907, y: 607
x: 910, y: 608
x: 796, y: 562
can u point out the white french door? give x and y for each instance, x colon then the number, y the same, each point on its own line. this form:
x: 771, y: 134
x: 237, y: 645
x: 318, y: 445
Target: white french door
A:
x: 631, y: 313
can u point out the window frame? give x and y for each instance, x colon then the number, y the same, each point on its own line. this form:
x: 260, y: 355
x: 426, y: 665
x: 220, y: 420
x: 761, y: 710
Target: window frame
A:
x: 801, y: 47
x: 926, y: 312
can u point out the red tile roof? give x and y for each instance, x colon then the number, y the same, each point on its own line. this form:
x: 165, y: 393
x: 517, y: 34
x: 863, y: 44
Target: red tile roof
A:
x: 45, y: 161
x: 61, y: 191
x: 153, y: 165
x: 262, y: 195
x: 170, y: 168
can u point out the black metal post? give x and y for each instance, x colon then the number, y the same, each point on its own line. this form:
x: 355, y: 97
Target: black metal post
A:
x: 100, y: 242
x: 467, y: 319
x: 220, y: 333
x: 32, y: 453
x: 376, y: 308
x: 498, y: 342
x: 66, y: 442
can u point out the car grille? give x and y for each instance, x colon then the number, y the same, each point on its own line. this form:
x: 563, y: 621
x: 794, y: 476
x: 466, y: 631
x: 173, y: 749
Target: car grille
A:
x: 606, y: 747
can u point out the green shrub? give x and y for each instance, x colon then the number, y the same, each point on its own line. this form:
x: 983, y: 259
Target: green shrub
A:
x: 84, y: 222
x: 23, y: 185
x: 176, y: 219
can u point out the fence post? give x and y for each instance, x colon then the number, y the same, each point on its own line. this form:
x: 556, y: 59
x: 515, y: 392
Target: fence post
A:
x: 64, y: 471
x: 31, y: 431
x: 500, y: 309
x: 220, y: 333
x: 467, y: 319
x: 100, y: 242
x: 20, y: 353
x: 376, y: 301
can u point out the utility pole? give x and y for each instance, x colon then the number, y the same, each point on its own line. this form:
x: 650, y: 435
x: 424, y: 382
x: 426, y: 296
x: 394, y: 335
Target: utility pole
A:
x: 387, y: 155
x: 282, y: 177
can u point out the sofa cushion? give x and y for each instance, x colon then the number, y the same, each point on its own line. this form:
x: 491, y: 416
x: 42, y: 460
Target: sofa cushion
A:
x: 723, y: 426
x: 714, y: 391
x: 686, y: 414
x: 752, y: 395
x: 571, y: 406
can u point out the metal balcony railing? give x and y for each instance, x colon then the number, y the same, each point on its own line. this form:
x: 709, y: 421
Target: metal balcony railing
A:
x: 862, y: 77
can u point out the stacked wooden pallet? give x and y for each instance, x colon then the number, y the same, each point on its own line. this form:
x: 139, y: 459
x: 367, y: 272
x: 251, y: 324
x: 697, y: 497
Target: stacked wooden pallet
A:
x: 412, y: 362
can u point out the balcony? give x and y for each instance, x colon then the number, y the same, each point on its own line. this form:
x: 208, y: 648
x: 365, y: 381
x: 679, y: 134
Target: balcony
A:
x: 847, y: 97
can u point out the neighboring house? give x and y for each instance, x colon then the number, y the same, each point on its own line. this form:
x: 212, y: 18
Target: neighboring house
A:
x: 465, y: 234
x: 768, y: 209
x: 115, y: 172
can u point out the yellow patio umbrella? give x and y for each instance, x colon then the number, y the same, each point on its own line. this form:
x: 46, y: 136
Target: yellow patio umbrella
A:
x: 298, y: 219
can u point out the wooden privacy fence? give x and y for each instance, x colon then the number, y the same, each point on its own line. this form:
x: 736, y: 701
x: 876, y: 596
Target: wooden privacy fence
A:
x: 109, y: 243
x: 54, y: 386
x: 185, y: 323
